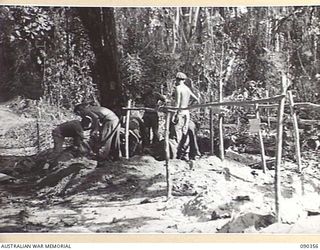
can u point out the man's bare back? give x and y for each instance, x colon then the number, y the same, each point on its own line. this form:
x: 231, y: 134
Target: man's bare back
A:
x: 183, y: 94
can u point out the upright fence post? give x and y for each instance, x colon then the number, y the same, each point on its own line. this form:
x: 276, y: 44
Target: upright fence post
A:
x: 127, y: 130
x: 211, y: 126
x: 296, y: 130
x: 279, y: 151
x: 167, y: 151
x: 268, y: 111
x: 263, y: 156
x: 38, y: 129
x: 221, y: 123
x: 38, y: 136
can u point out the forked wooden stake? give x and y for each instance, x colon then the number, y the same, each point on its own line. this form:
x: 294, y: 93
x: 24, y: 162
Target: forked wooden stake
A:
x: 279, y: 150
x: 127, y: 130
x: 167, y: 151
x: 296, y: 130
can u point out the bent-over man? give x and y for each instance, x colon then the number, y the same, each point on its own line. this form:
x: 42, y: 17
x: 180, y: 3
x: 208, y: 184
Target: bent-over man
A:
x: 106, y: 127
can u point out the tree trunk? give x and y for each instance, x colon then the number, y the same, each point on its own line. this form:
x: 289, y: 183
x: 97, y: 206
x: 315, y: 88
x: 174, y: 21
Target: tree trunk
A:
x: 100, y: 25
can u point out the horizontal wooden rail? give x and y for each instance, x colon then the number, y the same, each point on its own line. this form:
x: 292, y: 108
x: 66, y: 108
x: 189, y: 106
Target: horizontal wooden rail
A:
x: 306, y: 105
x: 230, y: 103
x: 140, y: 108
x: 216, y: 104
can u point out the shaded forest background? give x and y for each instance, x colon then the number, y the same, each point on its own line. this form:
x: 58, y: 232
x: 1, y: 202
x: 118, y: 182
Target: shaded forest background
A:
x: 62, y: 56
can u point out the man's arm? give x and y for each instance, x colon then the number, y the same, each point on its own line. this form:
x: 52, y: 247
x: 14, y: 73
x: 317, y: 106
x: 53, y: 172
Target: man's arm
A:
x: 178, y: 97
x: 160, y: 97
x: 194, y: 96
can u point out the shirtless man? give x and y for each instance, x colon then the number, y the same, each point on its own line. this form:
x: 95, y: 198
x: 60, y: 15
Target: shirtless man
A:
x: 182, y: 98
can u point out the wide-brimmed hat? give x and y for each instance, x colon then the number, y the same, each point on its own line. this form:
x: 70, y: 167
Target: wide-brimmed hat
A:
x: 181, y: 76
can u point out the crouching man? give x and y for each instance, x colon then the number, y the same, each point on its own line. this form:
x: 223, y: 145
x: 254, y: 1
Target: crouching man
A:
x: 71, y: 129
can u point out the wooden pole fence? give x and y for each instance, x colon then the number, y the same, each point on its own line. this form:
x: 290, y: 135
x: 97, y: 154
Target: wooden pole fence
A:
x: 262, y: 104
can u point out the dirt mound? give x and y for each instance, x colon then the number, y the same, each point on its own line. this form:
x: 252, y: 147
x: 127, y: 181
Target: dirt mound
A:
x: 249, y: 222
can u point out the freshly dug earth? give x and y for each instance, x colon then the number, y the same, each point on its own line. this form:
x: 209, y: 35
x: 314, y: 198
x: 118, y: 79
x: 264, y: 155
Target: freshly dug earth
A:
x: 209, y: 196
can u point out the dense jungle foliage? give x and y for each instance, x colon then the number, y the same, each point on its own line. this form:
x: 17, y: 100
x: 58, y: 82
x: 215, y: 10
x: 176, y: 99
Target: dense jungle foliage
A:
x: 66, y: 55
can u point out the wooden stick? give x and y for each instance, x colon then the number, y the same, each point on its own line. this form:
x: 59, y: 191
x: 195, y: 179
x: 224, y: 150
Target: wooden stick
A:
x: 268, y: 111
x: 139, y: 108
x: 167, y: 151
x: 170, y: 108
x: 296, y: 130
x: 38, y: 128
x: 279, y: 152
x: 211, y: 126
x: 127, y: 130
x: 221, y: 142
x: 263, y: 156
x: 268, y: 106
x: 221, y: 146
x: 232, y: 103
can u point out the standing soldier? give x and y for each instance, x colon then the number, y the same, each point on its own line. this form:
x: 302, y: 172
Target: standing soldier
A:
x: 182, y: 117
x: 151, y: 118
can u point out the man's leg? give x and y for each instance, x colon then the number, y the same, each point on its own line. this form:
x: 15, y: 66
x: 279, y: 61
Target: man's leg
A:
x: 110, y: 140
x: 178, y: 128
x: 106, y: 141
x: 194, y: 148
x: 115, y: 151
x: 183, y: 148
x: 181, y: 137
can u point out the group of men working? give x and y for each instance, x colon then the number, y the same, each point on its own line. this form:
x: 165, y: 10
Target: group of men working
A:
x: 105, y: 127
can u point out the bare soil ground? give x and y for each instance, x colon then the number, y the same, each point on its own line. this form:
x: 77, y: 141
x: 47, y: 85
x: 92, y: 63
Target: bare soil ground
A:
x: 129, y: 196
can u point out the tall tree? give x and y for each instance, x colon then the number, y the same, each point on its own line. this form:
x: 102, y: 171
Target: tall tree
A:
x: 100, y: 25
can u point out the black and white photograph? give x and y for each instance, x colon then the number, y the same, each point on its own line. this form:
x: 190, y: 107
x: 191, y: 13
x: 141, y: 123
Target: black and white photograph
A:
x: 160, y: 120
